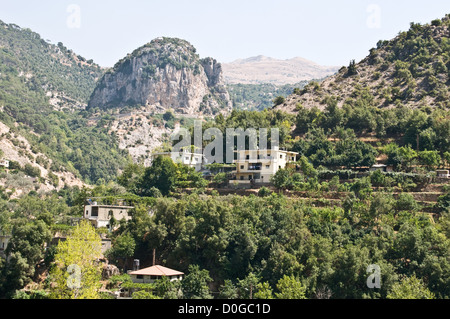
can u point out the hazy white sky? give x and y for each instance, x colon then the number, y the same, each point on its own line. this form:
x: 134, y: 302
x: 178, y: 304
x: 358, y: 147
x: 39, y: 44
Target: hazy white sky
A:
x: 325, y: 31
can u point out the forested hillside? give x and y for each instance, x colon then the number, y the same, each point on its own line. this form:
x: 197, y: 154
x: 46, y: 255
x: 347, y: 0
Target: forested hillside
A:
x: 259, y: 96
x: 314, y: 232
x: 410, y: 70
x: 43, y: 91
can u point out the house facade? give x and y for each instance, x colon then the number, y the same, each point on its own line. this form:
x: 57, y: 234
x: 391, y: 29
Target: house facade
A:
x: 259, y: 166
x: 4, y: 163
x: 381, y: 167
x: 101, y: 215
x: 443, y: 173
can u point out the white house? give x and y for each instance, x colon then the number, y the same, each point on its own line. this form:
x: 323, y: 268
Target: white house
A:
x: 150, y: 274
x: 4, y: 163
x: 443, y: 173
x: 381, y: 167
x: 260, y: 165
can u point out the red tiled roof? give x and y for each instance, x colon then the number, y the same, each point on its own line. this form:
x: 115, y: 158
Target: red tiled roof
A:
x: 157, y: 271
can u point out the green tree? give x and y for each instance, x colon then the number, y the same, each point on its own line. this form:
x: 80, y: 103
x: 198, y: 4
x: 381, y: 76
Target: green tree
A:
x: 279, y: 100
x: 248, y: 286
x: 431, y: 159
x: 352, y: 69
x: 406, y: 202
x: 264, y: 291
x: 195, y: 284
x: 26, y: 249
x: 290, y: 287
x: 228, y: 290
x: 142, y: 294
x: 76, y: 273
x: 410, y: 288
x: 162, y: 175
x: 122, y: 248
x: 281, y: 179
x: 131, y: 176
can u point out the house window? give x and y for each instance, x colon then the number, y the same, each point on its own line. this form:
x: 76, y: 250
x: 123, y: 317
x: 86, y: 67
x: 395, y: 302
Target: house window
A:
x: 267, y: 166
x: 242, y: 178
x: 140, y: 277
x: 247, y: 157
x: 242, y: 166
x: 250, y: 177
x: 281, y: 156
x: 110, y: 213
x: 129, y: 214
x: 187, y: 158
x: 94, y: 211
x: 293, y: 159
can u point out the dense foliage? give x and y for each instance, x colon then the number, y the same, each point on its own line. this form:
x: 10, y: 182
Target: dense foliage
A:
x: 324, y: 248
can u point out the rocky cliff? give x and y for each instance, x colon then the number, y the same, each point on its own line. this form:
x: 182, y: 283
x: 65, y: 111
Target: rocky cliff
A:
x: 165, y: 74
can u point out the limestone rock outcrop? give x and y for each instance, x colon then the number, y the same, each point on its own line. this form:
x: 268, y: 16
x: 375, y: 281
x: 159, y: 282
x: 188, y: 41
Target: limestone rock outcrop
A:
x: 167, y: 74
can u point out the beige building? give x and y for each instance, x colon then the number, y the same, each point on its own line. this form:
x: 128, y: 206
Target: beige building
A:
x: 260, y: 165
x: 100, y: 215
x: 150, y: 274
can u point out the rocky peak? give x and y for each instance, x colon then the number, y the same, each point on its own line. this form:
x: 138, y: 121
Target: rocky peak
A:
x: 166, y: 73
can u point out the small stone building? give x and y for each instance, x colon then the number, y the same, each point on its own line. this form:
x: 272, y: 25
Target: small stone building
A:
x: 101, y: 215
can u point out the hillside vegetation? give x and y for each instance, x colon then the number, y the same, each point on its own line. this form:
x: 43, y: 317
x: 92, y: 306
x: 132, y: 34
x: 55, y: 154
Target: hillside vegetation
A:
x: 41, y: 87
x: 313, y: 233
x: 411, y: 70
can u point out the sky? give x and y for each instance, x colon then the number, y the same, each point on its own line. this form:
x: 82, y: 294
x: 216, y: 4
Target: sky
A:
x: 324, y: 31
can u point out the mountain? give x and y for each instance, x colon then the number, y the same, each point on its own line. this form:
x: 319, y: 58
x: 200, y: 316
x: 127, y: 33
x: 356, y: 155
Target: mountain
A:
x: 410, y: 70
x: 259, y: 96
x: 44, y: 89
x: 164, y: 74
x: 262, y: 69
x: 67, y: 79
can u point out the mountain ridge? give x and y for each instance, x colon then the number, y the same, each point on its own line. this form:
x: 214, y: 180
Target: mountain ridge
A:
x: 165, y: 73
x: 262, y: 69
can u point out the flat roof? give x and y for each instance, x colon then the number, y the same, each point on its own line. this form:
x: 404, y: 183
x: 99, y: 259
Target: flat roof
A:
x: 112, y: 206
x: 157, y: 271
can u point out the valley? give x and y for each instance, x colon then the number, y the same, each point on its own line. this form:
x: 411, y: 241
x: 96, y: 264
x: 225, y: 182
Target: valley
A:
x: 358, y: 177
